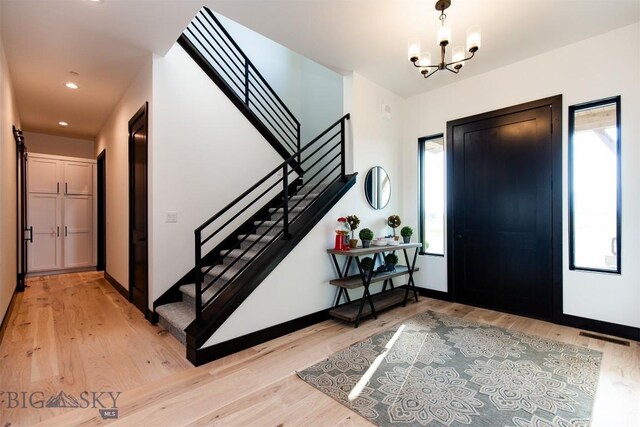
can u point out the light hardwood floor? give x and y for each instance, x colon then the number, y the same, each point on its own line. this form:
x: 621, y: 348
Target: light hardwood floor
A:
x: 256, y: 387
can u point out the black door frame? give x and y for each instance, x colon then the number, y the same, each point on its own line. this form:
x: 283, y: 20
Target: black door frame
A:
x: 142, y: 112
x: 555, y: 105
x: 101, y: 173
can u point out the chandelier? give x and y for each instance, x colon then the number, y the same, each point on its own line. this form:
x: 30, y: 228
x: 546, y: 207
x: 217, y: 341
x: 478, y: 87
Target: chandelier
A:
x: 422, y: 60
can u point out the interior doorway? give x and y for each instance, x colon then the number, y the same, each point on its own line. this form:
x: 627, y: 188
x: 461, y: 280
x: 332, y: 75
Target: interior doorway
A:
x: 138, y: 199
x: 504, y: 217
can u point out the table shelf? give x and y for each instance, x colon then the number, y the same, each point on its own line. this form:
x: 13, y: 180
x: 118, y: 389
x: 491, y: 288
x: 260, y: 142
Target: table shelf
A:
x: 355, y: 281
x: 381, y: 301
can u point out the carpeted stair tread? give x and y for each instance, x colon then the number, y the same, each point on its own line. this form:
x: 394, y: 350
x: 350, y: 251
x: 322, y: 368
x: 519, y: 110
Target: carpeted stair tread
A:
x: 216, y: 270
x: 189, y: 291
x: 175, y: 317
x: 240, y: 253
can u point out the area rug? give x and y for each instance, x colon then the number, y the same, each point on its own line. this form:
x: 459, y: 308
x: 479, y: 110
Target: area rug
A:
x: 448, y: 371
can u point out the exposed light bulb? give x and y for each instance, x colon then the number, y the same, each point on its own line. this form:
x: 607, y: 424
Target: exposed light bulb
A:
x: 63, y: 124
x: 71, y: 85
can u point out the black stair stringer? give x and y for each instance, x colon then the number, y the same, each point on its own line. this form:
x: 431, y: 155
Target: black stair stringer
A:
x: 234, y: 295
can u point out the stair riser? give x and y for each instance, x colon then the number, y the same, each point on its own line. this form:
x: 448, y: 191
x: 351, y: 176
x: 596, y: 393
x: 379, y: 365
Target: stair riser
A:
x: 179, y: 334
x: 263, y: 229
x: 258, y: 246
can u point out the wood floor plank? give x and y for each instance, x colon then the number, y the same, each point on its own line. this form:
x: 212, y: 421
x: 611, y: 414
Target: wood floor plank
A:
x: 102, y: 341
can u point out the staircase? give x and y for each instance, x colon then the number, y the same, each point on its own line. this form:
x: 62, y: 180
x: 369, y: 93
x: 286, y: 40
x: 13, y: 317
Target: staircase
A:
x: 237, y: 248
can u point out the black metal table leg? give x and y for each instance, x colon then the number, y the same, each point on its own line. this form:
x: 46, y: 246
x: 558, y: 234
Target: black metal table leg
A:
x: 366, y: 281
x: 410, y: 282
x: 341, y: 274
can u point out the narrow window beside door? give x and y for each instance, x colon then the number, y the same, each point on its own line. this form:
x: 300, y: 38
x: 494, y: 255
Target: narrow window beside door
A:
x: 594, y: 186
x: 431, y: 193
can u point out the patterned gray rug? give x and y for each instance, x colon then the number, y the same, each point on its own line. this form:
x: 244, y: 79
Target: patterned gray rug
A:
x: 447, y: 371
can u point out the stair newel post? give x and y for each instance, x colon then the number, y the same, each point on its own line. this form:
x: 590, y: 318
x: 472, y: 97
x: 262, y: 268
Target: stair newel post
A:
x: 198, y: 274
x: 246, y: 82
x: 343, y: 162
x: 299, y: 153
x: 285, y: 206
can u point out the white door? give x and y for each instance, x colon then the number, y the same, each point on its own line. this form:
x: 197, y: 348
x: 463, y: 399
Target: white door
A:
x: 78, y: 231
x: 43, y: 175
x: 44, y: 252
x: 78, y: 178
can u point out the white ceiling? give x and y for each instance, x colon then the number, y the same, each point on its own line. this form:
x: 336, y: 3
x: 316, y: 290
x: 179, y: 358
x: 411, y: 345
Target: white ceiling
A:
x: 108, y: 42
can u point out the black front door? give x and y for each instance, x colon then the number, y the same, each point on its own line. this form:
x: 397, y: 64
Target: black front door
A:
x: 501, y: 209
x: 138, y: 248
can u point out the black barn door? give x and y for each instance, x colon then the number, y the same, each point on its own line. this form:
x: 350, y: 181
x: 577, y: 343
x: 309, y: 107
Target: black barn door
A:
x: 503, y: 209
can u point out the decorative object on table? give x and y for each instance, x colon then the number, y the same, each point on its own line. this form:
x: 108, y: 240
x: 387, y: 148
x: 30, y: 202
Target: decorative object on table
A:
x: 479, y: 373
x: 381, y: 241
x: 390, y: 261
x: 342, y: 230
x: 366, y: 236
x: 422, y: 60
x: 406, y: 232
x: 377, y: 187
x: 354, y: 223
x: 367, y: 264
x: 394, y: 222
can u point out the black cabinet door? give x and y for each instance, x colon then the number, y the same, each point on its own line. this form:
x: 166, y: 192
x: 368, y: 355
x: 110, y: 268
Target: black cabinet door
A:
x: 500, y: 211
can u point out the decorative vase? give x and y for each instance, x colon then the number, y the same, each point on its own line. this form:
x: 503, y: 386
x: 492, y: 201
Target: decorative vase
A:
x: 353, y: 243
x: 342, y: 231
x: 396, y: 237
x: 366, y: 243
x: 390, y: 267
x: 407, y: 239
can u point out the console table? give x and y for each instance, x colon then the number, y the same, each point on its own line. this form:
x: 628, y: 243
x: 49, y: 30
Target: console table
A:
x: 356, y: 310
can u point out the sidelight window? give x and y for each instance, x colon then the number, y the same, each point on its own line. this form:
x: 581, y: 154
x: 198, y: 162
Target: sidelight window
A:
x: 431, y: 194
x: 594, y: 186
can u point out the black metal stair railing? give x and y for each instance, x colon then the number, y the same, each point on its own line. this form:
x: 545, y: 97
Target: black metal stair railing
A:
x: 324, y: 163
x: 211, y: 46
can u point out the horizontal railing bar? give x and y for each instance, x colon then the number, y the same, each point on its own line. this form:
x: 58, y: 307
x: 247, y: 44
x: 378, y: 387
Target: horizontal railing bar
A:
x: 261, y: 87
x: 310, y: 156
x: 274, y: 171
x: 240, y: 59
x: 233, y: 79
x: 242, y: 211
x: 323, y: 156
x: 291, y: 137
x: 275, y: 95
x: 291, y: 128
x: 216, y: 23
x: 228, y: 41
x: 251, y: 66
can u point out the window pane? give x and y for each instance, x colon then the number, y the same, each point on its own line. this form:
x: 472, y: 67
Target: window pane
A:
x: 432, y: 187
x: 595, y: 185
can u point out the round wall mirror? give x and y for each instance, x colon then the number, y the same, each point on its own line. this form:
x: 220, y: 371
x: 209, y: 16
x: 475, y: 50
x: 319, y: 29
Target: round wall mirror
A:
x: 377, y: 187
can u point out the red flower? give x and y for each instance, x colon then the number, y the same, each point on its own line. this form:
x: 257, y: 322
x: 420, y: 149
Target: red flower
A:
x: 342, y: 219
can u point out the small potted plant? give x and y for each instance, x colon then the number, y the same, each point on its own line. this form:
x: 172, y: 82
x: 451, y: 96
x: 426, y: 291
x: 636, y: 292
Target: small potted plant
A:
x: 366, y: 236
x: 366, y: 264
x: 354, y: 222
x: 390, y: 261
x: 406, y: 233
x: 394, y: 222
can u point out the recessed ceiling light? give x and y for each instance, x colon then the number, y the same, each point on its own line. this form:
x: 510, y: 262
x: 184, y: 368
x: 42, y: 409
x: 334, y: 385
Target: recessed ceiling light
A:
x: 71, y: 85
x: 63, y: 124
x: 74, y: 73
x: 96, y: 1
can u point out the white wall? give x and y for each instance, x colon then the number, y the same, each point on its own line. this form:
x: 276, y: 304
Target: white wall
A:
x: 8, y: 225
x: 311, y: 91
x: 300, y: 284
x: 114, y: 137
x: 59, y: 145
x: 204, y: 153
x: 571, y: 72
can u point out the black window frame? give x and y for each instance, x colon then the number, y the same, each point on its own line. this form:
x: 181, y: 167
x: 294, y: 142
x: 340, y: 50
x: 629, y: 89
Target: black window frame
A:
x: 572, y: 110
x: 421, y: 231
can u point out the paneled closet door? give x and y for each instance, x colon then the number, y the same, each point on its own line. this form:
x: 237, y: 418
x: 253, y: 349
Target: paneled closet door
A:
x: 78, y: 178
x: 78, y: 231
x: 44, y: 175
x: 45, y: 251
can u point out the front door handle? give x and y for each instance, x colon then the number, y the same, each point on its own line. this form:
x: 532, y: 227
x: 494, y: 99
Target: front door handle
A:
x: 459, y: 236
